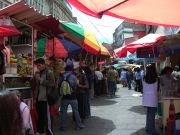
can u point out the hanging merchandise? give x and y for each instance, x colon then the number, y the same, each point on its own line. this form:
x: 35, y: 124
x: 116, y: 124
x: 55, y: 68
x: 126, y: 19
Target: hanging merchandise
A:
x: 171, y: 119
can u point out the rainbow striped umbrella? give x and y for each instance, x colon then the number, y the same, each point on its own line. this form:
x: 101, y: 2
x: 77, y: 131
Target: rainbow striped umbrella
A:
x: 57, y: 47
x: 104, y: 51
x: 81, y: 36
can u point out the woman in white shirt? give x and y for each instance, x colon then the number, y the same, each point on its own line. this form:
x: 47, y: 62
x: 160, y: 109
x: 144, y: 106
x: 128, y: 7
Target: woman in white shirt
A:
x: 150, y: 99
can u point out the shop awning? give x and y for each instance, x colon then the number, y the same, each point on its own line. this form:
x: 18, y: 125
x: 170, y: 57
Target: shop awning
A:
x: 153, y: 12
x: 50, y: 26
x: 22, y: 12
x: 149, y: 40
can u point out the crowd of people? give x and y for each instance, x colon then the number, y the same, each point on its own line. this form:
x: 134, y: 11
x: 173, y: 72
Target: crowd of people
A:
x: 76, y: 86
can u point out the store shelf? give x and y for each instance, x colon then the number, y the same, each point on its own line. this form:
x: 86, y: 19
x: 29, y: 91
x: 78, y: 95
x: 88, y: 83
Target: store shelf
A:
x: 19, y: 88
x: 15, y: 75
x: 21, y: 45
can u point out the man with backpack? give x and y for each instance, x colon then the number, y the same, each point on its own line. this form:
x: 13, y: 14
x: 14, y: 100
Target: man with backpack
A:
x: 67, y: 86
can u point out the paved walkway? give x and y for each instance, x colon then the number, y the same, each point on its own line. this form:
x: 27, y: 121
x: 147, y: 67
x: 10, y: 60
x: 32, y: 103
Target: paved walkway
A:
x: 122, y: 115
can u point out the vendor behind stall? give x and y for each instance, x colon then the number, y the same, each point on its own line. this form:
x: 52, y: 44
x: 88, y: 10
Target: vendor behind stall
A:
x: 166, y: 82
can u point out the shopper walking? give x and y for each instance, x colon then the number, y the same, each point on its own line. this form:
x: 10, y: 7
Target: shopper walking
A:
x: 150, y: 99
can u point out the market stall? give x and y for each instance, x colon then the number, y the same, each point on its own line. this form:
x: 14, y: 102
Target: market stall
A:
x: 167, y: 53
x: 19, y: 43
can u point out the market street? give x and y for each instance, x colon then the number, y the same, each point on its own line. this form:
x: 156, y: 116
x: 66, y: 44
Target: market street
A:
x: 123, y: 115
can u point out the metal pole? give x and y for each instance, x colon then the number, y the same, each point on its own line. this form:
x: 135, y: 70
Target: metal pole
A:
x: 22, y: 22
x: 34, y: 37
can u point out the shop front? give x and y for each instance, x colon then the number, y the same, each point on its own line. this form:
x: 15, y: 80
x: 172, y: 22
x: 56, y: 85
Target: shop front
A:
x: 19, y: 55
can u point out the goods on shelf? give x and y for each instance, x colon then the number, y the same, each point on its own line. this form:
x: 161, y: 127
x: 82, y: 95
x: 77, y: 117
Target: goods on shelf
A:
x: 24, y: 65
x: 13, y: 59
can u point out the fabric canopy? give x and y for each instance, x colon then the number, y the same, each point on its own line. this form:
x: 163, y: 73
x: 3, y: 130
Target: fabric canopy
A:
x: 58, y: 47
x: 6, y: 31
x: 50, y: 26
x: 104, y: 51
x: 82, y: 37
x: 149, y: 40
x: 7, y: 28
x: 170, y: 45
x: 55, y: 48
x: 153, y: 12
x: 41, y: 45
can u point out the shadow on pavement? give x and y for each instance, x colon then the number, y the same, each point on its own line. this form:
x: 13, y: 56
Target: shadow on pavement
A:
x: 138, y: 109
x: 102, y: 101
x: 94, y: 126
x: 140, y: 132
x: 143, y: 132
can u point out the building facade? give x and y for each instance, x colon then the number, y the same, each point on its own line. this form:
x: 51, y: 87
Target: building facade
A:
x: 59, y: 9
x: 128, y: 32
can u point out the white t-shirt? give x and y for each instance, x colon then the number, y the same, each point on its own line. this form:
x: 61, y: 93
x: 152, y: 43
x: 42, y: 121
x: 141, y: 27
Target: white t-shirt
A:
x: 150, y: 98
x: 26, y: 117
x: 99, y: 75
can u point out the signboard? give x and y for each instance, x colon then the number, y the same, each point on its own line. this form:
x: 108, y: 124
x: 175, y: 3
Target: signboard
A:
x: 147, y: 52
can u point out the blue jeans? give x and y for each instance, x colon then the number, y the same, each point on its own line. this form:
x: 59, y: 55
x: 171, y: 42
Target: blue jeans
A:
x: 63, y: 112
x: 111, y: 87
x: 87, y: 103
x: 150, y: 119
x: 129, y: 83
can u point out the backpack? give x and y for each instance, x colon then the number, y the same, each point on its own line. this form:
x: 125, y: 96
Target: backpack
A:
x: 65, y: 87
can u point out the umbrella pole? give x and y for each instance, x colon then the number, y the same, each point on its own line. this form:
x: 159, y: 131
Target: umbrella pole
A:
x: 86, y: 56
x: 53, y: 46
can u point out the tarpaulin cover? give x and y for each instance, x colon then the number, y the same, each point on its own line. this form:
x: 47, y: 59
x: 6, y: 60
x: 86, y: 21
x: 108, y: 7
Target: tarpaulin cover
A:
x: 153, y: 12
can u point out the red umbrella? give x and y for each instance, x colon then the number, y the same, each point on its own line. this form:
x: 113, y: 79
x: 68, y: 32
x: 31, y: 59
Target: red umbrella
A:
x: 7, y: 28
x: 55, y: 48
x: 155, y: 12
x: 149, y: 40
x: 6, y: 31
